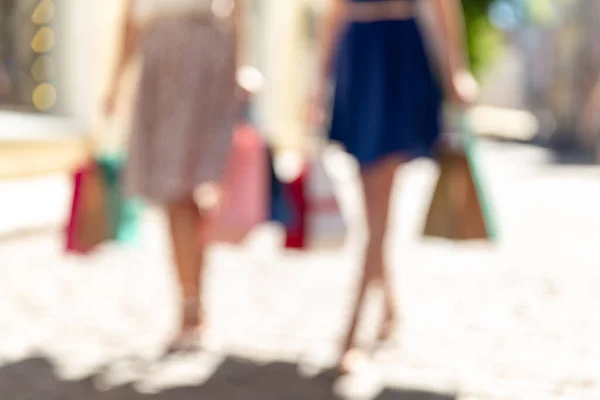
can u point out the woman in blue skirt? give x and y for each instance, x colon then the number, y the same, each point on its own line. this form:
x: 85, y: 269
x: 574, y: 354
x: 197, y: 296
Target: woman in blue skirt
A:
x: 387, y: 108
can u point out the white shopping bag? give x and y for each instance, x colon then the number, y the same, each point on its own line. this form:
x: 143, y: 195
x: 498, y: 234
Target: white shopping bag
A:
x: 326, y: 225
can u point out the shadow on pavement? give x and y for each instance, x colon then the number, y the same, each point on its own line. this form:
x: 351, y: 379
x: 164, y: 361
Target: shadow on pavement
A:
x: 560, y: 154
x: 401, y: 394
x: 234, y: 379
x: 573, y: 158
x: 535, y: 141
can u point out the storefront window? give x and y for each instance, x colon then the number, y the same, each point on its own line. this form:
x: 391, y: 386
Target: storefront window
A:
x: 26, y: 67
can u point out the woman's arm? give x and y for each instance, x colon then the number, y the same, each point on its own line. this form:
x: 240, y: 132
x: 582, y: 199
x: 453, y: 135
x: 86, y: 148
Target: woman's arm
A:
x: 239, y: 12
x: 449, y: 16
x: 248, y: 79
x: 330, y: 31
x: 128, y: 42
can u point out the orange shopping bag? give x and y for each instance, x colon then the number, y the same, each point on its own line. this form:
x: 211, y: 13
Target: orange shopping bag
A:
x: 455, y: 211
x: 245, y: 202
x: 460, y: 208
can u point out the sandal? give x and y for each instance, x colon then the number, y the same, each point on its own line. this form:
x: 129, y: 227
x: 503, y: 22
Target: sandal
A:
x: 350, y: 361
x: 387, y: 336
x: 189, y: 338
x: 387, y: 329
x: 188, y: 341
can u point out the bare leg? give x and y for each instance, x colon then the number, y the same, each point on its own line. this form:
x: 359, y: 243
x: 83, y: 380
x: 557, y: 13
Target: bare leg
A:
x: 185, y: 220
x: 377, y: 183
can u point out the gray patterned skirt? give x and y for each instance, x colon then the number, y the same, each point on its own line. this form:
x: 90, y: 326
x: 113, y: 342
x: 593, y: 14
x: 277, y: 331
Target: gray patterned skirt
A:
x: 185, y: 109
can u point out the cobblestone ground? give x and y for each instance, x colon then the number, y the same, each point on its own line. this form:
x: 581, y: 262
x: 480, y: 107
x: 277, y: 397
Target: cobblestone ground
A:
x: 511, y: 322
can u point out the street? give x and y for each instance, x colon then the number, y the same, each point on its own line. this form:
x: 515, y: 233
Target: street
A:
x: 511, y: 321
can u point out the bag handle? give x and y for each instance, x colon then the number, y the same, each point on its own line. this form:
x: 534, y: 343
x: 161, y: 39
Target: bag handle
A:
x: 91, y: 142
x: 104, y: 139
x: 252, y: 82
x: 465, y: 127
x: 317, y: 142
x: 458, y: 132
x: 317, y: 138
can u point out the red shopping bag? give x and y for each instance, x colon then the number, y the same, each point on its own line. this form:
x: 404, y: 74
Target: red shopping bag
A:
x: 318, y: 221
x: 245, y: 202
x: 89, y: 221
x: 295, y: 229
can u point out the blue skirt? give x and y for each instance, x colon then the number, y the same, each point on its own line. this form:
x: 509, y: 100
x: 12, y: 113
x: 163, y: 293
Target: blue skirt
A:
x: 387, y: 99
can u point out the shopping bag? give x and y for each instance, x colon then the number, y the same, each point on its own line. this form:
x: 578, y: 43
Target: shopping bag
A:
x: 245, y: 203
x: 280, y: 207
x: 460, y: 208
x: 124, y: 212
x: 116, y: 216
x: 325, y: 224
x: 295, y: 197
x: 89, y: 223
x: 317, y: 221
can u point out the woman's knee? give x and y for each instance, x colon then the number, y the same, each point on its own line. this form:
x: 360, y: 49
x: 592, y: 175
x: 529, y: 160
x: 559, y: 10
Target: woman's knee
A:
x: 181, y: 210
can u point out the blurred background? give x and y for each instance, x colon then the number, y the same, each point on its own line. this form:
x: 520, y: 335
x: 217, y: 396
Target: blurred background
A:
x: 511, y: 321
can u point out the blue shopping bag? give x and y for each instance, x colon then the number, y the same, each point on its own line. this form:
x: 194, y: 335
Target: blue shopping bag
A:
x: 281, y: 208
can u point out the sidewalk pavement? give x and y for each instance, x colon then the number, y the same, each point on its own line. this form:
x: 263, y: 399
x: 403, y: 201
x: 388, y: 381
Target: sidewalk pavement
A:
x: 510, y: 322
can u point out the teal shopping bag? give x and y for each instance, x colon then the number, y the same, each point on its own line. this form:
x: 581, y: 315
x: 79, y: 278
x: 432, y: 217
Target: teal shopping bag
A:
x: 472, y: 153
x: 124, y: 212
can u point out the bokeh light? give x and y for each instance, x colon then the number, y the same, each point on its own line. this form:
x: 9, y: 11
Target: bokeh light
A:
x: 42, y: 70
x: 43, y: 13
x: 43, y: 41
x: 44, y: 96
x: 505, y: 15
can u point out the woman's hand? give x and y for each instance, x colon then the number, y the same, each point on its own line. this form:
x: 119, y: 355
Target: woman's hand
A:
x: 242, y: 94
x: 316, y: 106
x: 463, y: 88
x: 249, y: 83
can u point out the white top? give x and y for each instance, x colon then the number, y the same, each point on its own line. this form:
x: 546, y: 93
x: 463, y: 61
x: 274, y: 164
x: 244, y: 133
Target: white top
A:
x: 146, y: 11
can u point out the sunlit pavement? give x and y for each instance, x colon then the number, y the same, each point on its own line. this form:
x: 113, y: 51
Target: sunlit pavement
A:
x: 514, y: 321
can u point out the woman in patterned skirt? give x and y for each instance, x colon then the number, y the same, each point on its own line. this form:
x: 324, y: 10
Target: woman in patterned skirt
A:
x: 386, y: 109
x: 183, y: 121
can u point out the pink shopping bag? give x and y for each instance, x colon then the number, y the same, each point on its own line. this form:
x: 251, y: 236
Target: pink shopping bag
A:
x: 245, y: 201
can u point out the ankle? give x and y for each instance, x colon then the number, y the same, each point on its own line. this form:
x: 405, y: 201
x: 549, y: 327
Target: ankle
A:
x: 191, y: 311
x: 190, y: 293
x: 391, y: 314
